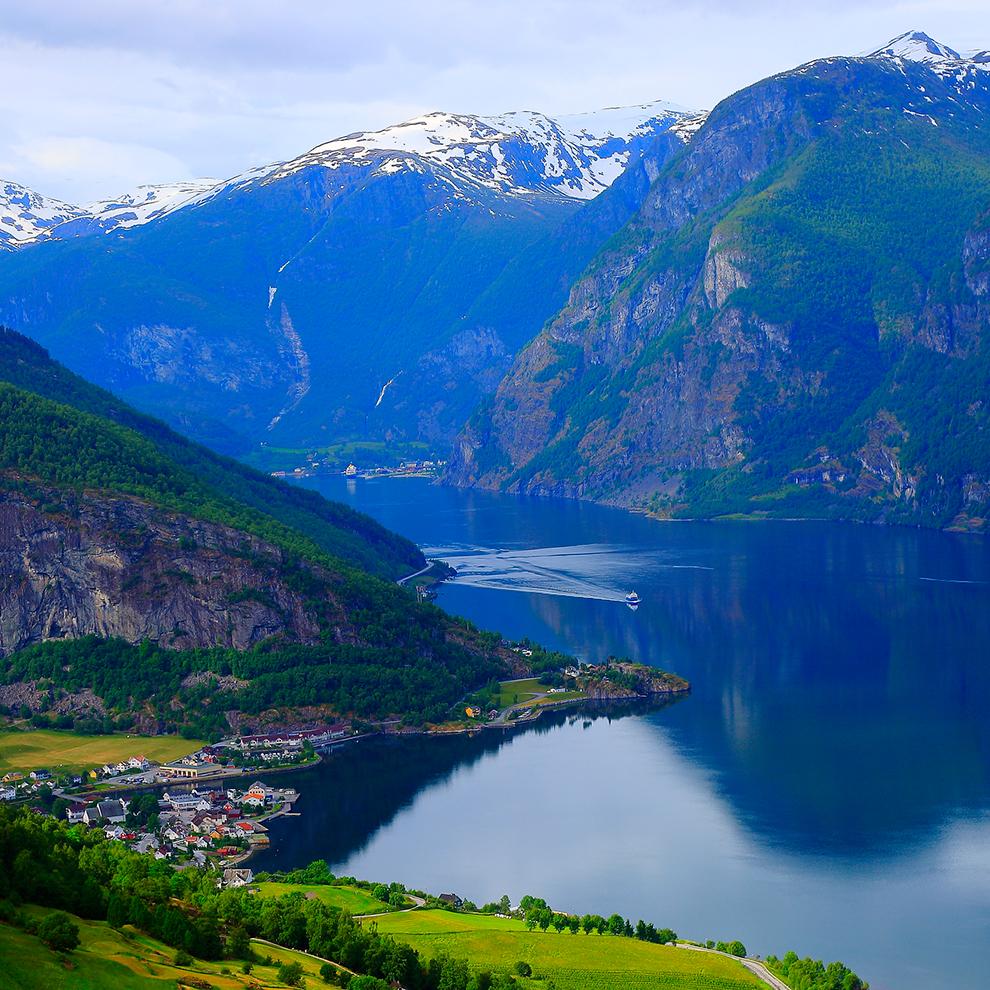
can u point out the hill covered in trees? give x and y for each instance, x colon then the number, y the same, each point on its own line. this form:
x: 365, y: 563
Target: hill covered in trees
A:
x: 141, y: 570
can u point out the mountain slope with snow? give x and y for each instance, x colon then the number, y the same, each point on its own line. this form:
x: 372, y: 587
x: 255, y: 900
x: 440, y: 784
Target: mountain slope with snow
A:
x: 26, y: 215
x: 520, y: 154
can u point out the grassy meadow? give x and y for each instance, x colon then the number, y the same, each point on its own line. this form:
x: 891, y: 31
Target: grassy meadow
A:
x: 571, y: 962
x: 71, y: 751
x: 351, y: 899
x: 110, y: 960
x: 518, y: 692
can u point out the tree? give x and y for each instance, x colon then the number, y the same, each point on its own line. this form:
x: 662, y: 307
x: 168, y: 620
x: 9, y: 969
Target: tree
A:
x: 616, y: 924
x: 238, y: 943
x: 559, y: 922
x: 58, y: 932
x: 291, y: 974
x: 367, y: 983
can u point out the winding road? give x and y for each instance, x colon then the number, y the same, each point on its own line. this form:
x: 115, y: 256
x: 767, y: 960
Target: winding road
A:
x: 757, y: 968
x: 409, y: 577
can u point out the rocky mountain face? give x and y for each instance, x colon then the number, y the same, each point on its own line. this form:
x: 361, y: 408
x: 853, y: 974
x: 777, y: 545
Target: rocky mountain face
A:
x: 348, y: 294
x: 143, y: 575
x: 794, y: 322
x: 77, y: 565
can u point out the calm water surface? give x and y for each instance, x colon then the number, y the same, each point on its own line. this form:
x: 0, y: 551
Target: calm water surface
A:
x: 826, y: 786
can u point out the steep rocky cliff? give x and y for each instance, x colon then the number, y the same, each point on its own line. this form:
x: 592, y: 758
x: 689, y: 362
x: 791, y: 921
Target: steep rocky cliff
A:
x: 76, y: 565
x: 149, y: 578
x: 794, y: 323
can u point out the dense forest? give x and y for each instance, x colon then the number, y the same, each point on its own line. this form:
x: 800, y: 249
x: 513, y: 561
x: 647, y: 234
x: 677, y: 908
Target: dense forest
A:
x: 412, y: 670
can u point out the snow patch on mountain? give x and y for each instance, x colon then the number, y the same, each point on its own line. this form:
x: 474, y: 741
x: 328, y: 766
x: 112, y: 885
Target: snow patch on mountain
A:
x: 26, y: 215
x: 960, y: 70
x: 917, y: 47
x: 148, y: 202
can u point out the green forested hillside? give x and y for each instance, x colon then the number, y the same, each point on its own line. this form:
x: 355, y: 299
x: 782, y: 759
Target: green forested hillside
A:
x: 149, y: 458
x: 339, y: 636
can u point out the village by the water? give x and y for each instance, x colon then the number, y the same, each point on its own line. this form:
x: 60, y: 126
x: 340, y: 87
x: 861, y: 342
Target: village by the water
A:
x: 188, y: 811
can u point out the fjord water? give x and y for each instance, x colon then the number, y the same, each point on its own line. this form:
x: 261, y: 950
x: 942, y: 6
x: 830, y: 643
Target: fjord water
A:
x: 826, y: 786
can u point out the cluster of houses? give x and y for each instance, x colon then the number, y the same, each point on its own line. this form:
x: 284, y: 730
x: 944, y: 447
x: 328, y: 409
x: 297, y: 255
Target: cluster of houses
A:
x: 130, y: 765
x: 17, y: 785
x: 263, y: 750
x: 289, y: 741
x: 195, y: 825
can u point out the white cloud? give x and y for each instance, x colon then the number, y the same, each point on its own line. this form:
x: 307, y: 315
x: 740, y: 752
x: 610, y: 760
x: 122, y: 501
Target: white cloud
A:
x: 214, y: 88
x: 83, y: 164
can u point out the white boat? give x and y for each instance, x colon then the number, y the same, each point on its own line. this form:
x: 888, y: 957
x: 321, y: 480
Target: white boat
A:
x: 632, y: 598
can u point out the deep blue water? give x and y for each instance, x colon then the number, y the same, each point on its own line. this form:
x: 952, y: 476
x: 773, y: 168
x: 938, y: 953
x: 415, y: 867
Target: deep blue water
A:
x: 826, y: 787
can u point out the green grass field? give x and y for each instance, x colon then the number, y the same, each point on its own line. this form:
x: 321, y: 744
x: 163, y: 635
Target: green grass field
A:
x: 351, y: 899
x: 107, y: 960
x: 518, y: 692
x: 70, y: 751
x: 572, y: 962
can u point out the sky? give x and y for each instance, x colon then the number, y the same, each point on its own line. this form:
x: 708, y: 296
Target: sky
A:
x: 99, y: 96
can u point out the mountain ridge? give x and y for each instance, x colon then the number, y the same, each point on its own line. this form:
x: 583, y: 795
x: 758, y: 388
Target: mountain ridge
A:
x: 740, y: 347
x: 582, y: 154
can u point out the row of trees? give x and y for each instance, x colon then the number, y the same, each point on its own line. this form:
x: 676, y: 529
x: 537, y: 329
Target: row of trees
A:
x: 538, y: 914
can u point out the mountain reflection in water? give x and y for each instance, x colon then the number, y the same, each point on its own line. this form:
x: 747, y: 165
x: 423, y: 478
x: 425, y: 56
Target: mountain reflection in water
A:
x: 825, y: 787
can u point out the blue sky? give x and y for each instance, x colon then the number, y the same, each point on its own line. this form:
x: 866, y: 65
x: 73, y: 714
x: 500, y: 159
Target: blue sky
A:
x: 101, y: 95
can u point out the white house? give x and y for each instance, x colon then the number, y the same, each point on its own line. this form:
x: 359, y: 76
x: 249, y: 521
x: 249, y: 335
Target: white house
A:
x: 236, y: 878
x: 113, y: 811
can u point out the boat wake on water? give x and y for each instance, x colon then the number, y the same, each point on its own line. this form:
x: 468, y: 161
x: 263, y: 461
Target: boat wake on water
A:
x: 596, y: 572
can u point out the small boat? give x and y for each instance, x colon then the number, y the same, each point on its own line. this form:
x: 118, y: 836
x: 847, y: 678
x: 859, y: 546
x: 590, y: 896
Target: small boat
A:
x: 632, y: 599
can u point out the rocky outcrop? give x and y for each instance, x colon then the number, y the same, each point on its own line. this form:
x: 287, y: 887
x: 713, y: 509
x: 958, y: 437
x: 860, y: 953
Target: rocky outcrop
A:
x: 624, y: 679
x: 112, y: 566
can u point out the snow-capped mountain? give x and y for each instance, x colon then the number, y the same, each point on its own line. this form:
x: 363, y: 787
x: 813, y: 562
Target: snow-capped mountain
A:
x: 918, y: 47
x: 522, y: 153
x: 961, y: 70
x: 519, y: 153
x: 26, y: 215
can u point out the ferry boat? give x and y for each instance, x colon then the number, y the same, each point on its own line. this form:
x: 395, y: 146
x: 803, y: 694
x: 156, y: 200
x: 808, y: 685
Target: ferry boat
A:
x: 632, y: 598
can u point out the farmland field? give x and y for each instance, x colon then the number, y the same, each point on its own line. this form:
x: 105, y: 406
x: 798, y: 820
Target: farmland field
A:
x: 57, y: 749
x: 572, y: 962
x: 351, y: 899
